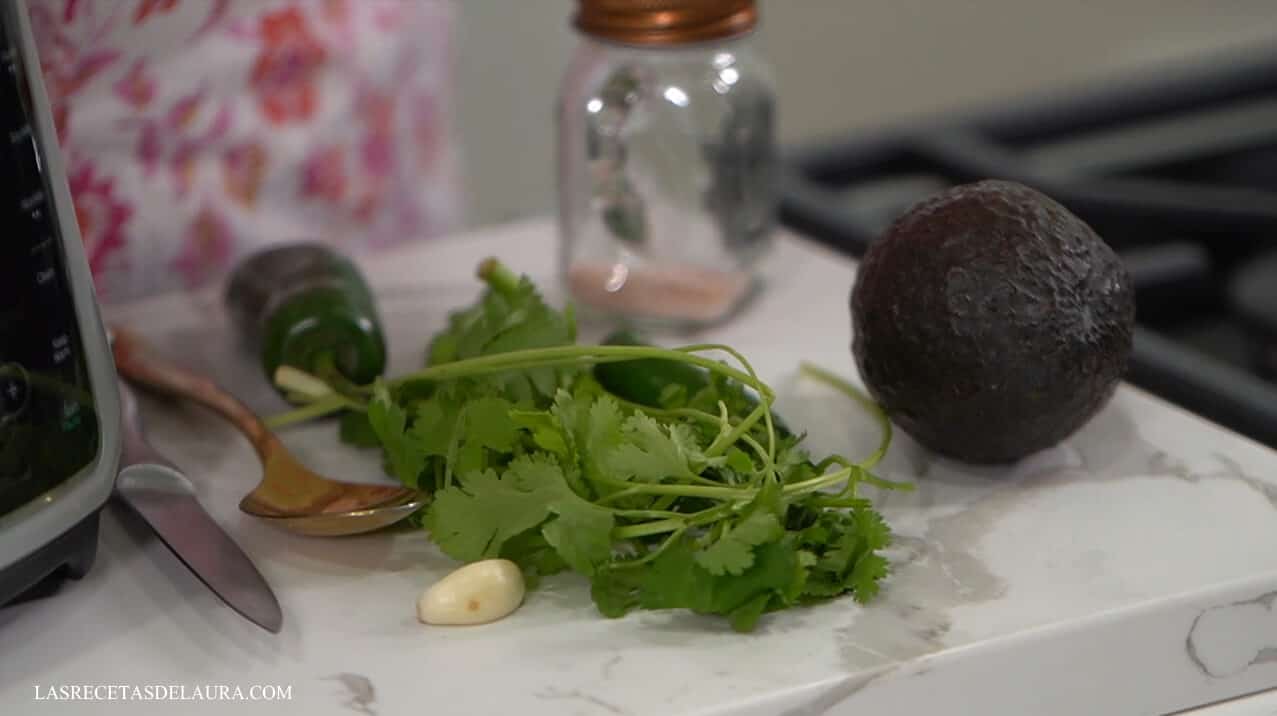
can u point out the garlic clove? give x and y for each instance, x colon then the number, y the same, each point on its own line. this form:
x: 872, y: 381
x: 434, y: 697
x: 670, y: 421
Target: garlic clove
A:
x: 477, y: 593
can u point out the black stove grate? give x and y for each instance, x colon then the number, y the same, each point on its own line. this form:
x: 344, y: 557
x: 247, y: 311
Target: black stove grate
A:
x: 1176, y: 169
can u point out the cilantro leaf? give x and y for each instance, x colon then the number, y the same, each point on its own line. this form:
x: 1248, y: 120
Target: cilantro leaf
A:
x: 535, y: 557
x: 684, y: 438
x: 759, y: 523
x: 739, y: 460
x: 539, y: 327
x: 650, y: 454
x: 436, y: 424
x: 473, y: 519
x: 589, y: 421
x: 487, y: 425
x: 545, y: 429
x: 873, y: 529
x: 734, y: 552
x: 581, y: 531
x: 603, y: 433
x: 573, y: 421
x: 745, y: 617
x: 775, y: 570
x: 866, y: 576
x: 510, y: 315
x: 845, y: 545
x: 675, y: 581
x: 389, y: 421
x: 616, y: 591
x: 354, y: 429
x: 445, y: 423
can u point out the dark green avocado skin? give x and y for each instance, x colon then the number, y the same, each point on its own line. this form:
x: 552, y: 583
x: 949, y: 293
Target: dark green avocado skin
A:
x: 991, y: 322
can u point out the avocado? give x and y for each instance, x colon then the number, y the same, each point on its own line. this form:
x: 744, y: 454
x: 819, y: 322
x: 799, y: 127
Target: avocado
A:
x: 990, y: 322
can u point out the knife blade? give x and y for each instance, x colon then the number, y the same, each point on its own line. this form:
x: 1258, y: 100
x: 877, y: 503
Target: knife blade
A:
x: 157, y: 491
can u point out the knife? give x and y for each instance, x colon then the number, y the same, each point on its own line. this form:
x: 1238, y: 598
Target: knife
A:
x: 157, y: 491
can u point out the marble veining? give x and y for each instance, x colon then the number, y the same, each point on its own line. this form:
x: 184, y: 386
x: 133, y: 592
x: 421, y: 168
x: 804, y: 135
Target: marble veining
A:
x: 1161, y: 463
x: 839, y: 693
x: 581, y: 696
x: 360, y: 693
x: 610, y: 665
x: 931, y: 575
x: 1229, y: 639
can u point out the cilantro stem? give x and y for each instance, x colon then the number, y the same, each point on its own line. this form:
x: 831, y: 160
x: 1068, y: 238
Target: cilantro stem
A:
x: 693, y: 413
x: 698, y: 480
x: 650, y: 556
x: 765, y: 403
x: 695, y: 519
x: 629, y: 492
x: 731, y: 494
x: 298, y: 382
x: 817, y: 483
x: 658, y: 514
x: 326, y: 369
x: 532, y: 358
x: 664, y: 503
x: 648, y: 529
x: 865, y: 475
x: 768, y: 460
x: 851, y: 391
x: 572, y: 354
x: 326, y: 405
x: 840, y: 502
x: 713, y: 493
x: 454, y: 445
x: 703, y: 417
x: 722, y: 442
x: 498, y: 276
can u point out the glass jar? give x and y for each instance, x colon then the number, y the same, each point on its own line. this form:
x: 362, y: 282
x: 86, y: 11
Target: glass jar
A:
x: 666, y: 161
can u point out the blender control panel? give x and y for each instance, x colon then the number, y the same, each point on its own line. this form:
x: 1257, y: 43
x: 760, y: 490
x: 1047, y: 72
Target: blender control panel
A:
x: 48, y: 425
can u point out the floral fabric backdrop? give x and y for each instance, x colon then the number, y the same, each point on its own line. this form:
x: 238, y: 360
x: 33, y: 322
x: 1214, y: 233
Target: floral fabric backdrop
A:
x: 196, y: 131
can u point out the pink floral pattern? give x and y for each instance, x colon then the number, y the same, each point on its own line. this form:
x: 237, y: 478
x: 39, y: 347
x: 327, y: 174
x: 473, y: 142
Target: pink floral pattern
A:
x: 209, y: 243
x: 324, y: 175
x: 137, y: 87
x: 100, y: 214
x: 244, y: 166
x: 199, y: 130
x: 145, y: 8
x: 285, y: 76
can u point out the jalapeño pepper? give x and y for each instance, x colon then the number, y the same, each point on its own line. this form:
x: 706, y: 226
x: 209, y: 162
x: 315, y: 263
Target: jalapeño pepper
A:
x: 649, y: 381
x: 306, y: 306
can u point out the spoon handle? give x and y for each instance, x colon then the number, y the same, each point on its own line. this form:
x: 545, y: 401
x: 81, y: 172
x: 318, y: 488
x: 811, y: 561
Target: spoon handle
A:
x: 137, y: 361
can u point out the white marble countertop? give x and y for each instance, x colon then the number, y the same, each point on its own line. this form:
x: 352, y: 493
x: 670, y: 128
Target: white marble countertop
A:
x: 1130, y: 570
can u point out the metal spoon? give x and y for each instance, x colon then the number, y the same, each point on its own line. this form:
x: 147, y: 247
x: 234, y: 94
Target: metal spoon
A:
x: 289, y: 495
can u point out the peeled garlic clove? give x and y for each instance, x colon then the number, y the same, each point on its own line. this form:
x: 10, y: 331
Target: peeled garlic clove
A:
x: 477, y: 593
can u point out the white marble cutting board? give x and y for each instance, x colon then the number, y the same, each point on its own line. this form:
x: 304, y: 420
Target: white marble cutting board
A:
x: 1130, y: 570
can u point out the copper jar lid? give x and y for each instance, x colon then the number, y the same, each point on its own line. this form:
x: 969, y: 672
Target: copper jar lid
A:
x: 665, y: 22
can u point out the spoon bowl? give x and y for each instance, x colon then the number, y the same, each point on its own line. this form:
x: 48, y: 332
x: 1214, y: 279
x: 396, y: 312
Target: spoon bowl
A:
x: 290, y: 495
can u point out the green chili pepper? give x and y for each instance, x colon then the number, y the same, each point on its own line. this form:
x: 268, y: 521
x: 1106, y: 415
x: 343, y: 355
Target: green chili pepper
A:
x: 647, y: 380
x: 306, y: 306
x: 653, y: 381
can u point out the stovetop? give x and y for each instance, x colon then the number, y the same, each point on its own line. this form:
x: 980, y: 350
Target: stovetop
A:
x: 1175, y: 168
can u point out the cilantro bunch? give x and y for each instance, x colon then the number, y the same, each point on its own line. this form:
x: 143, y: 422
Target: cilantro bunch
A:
x: 701, y: 503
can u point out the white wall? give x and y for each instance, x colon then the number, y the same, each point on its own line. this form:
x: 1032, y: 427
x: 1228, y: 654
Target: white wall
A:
x: 840, y: 64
